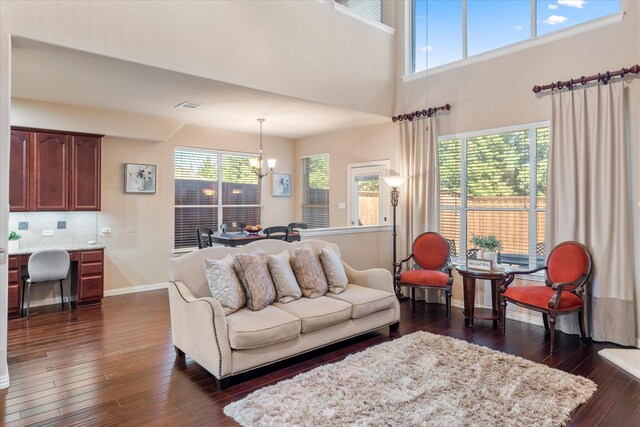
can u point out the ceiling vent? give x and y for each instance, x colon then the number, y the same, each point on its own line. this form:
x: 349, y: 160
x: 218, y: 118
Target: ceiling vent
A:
x: 187, y: 105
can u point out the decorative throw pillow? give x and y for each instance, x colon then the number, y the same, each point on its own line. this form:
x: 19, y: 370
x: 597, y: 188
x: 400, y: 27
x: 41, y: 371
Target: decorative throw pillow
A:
x: 308, y: 270
x: 334, y: 270
x: 256, y: 279
x: 224, y: 284
x: 287, y: 287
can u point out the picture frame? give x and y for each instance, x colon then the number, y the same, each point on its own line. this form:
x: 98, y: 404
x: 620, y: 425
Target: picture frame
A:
x: 281, y: 185
x: 479, y: 264
x: 140, y: 178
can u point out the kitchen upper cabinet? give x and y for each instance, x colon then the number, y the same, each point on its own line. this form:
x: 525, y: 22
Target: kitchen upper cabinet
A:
x: 19, y: 170
x: 85, y: 173
x: 50, y: 172
x: 54, y: 171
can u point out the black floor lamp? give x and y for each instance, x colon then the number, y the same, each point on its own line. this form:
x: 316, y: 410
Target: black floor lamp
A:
x: 394, y: 182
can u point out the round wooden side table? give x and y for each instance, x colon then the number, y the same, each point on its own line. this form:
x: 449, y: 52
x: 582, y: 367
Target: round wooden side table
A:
x: 469, y: 277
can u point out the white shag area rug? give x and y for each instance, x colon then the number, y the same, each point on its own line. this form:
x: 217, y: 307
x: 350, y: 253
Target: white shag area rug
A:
x: 420, y: 379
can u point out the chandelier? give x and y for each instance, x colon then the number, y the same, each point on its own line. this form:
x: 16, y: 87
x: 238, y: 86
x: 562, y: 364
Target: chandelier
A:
x: 257, y: 163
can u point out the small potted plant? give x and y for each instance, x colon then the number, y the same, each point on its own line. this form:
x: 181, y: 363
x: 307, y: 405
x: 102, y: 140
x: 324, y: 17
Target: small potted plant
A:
x: 489, y: 246
x: 14, y: 241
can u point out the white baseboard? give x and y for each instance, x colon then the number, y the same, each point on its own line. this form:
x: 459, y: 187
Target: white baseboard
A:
x: 107, y: 293
x: 134, y: 289
x: 4, y: 381
x: 521, y: 317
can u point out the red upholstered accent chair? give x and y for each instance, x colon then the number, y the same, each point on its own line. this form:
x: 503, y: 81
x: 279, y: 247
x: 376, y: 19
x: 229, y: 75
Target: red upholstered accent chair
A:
x: 568, y: 271
x: 431, y: 268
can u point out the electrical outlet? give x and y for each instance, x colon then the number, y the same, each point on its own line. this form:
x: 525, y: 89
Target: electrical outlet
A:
x: 62, y: 225
x: 105, y: 230
x: 23, y: 225
x: 131, y: 229
x: 47, y: 232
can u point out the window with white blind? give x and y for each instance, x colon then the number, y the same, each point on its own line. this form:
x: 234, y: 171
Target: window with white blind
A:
x: 371, y: 9
x: 315, y: 191
x: 495, y: 182
x: 211, y: 188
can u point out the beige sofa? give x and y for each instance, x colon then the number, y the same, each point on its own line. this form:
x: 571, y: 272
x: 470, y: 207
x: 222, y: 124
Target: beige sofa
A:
x: 232, y: 344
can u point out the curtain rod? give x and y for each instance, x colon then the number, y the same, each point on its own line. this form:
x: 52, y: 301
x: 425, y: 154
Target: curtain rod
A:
x: 426, y: 113
x: 604, y: 78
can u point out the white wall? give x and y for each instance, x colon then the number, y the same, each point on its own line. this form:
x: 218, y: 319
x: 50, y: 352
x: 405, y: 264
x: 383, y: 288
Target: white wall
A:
x: 303, y: 49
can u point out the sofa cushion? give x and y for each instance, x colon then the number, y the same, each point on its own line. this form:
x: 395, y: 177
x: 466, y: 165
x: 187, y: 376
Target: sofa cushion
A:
x: 334, y: 270
x: 317, y: 313
x: 365, y: 301
x: 308, y: 270
x: 252, y: 329
x: 287, y: 288
x: 256, y: 279
x: 224, y: 284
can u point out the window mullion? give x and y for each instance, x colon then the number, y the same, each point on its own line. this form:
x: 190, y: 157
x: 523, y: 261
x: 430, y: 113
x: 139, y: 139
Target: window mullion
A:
x: 533, y: 197
x: 464, y: 29
x: 534, y: 18
x: 463, y: 197
x: 219, y: 160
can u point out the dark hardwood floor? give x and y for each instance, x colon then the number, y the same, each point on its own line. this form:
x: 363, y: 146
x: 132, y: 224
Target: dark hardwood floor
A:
x: 115, y: 365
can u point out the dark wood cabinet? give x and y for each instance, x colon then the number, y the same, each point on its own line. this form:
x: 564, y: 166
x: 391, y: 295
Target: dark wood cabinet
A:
x: 13, y: 294
x: 90, y: 276
x: 54, y: 171
x: 50, y: 172
x: 19, y: 170
x: 84, y: 180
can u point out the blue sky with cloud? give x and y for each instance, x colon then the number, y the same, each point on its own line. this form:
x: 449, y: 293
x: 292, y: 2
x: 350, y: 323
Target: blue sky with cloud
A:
x: 492, y: 24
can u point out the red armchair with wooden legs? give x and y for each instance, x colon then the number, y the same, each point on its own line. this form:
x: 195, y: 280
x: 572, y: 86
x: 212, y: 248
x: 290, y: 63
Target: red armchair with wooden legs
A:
x: 432, y: 266
x: 568, y: 271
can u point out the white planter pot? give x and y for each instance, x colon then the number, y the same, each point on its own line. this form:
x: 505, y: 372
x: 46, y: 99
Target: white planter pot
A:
x: 14, y: 245
x: 492, y: 256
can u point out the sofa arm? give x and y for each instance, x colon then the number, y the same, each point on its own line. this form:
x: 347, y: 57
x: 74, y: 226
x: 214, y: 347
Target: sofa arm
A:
x: 199, y: 329
x: 375, y: 278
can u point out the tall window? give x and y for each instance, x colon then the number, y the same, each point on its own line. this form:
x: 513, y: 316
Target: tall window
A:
x: 439, y: 26
x: 371, y: 9
x: 495, y: 182
x: 315, y: 191
x: 211, y: 188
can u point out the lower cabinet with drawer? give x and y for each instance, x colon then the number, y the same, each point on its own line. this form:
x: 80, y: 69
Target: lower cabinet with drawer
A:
x: 87, y: 278
x: 90, y: 276
x: 14, y: 286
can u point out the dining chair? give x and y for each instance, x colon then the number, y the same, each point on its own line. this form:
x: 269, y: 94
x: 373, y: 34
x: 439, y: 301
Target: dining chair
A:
x: 279, y: 232
x: 568, y: 270
x: 232, y: 226
x: 431, y: 269
x: 46, y: 265
x: 293, y: 228
x: 204, y: 237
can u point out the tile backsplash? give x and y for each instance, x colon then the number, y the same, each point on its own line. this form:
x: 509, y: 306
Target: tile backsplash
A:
x: 80, y: 227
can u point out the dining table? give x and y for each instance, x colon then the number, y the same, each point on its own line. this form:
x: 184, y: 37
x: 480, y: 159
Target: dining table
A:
x: 244, y: 238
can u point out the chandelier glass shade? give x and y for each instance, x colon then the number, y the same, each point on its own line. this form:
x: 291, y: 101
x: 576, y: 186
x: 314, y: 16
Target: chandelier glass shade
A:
x: 257, y: 163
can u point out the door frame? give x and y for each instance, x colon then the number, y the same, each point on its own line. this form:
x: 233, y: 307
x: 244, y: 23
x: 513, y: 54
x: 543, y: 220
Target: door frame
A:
x: 385, y: 165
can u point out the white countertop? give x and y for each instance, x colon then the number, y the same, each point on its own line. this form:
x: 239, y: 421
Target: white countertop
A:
x: 76, y: 247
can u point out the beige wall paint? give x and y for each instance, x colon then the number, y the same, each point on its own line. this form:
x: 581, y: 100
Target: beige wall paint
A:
x: 142, y: 257
x: 363, y: 251
x: 345, y: 147
x: 303, y: 49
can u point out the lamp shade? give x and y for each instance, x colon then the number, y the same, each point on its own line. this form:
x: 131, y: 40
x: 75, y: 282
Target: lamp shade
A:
x: 254, y: 162
x: 394, y: 181
x: 271, y: 163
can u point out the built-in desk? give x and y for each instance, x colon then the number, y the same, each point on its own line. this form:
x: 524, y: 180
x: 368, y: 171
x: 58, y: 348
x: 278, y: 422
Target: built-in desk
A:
x: 86, y: 274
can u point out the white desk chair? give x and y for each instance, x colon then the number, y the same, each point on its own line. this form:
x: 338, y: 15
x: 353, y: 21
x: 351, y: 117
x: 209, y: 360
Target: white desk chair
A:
x: 44, y: 266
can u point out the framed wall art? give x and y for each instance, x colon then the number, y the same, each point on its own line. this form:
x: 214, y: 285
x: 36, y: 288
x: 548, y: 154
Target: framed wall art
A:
x: 140, y: 178
x: 281, y: 185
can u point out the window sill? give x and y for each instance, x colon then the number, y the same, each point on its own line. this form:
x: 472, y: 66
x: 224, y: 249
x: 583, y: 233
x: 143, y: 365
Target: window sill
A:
x: 378, y: 25
x: 516, y: 47
x: 343, y: 230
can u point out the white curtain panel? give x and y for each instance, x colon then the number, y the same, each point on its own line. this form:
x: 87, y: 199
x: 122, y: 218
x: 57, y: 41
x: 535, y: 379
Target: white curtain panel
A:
x: 588, y: 201
x: 419, y: 206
